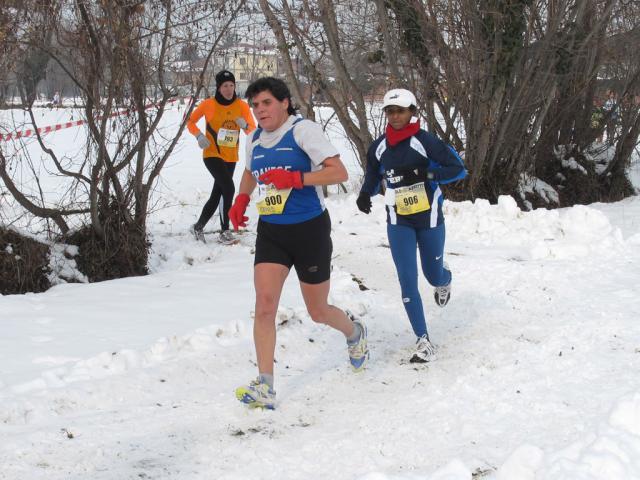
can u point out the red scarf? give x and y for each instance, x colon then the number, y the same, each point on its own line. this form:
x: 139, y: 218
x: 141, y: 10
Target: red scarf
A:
x: 396, y: 136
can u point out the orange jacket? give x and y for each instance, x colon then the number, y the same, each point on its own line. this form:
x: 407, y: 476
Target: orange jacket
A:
x: 222, y: 130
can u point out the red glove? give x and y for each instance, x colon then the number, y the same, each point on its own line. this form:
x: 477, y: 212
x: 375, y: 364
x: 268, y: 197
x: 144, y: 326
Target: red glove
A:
x: 236, y: 212
x: 281, y: 178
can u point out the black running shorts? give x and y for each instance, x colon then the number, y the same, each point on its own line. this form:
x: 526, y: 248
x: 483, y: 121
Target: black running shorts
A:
x: 306, y: 245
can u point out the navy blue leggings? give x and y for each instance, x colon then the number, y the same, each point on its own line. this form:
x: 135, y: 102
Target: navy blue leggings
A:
x: 430, y: 242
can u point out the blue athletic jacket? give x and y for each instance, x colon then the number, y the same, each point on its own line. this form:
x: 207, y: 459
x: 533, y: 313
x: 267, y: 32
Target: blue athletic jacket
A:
x: 422, y: 158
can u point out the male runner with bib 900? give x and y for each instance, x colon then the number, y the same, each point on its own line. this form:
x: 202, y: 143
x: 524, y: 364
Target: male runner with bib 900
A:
x: 289, y: 159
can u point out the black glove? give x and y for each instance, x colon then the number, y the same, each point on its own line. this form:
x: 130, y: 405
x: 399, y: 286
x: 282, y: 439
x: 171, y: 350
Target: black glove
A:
x: 364, y: 202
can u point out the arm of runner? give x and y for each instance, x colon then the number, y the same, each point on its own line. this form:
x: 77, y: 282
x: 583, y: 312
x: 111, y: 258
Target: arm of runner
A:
x: 194, y: 117
x: 246, y: 114
x: 372, y: 175
x: 237, y: 211
x: 333, y: 171
x: 247, y: 183
x: 448, y: 165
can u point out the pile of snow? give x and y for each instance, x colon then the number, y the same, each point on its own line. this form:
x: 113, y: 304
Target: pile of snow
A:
x: 561, y: 233
x: 611, y: 452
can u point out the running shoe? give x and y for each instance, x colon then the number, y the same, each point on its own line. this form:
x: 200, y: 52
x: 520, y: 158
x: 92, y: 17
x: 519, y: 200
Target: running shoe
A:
x: 257, y: 395
x: 359, y: 350
x: 227, y: 238
x: 442, y: 294
x: 197, y: 232
x: 424, y: 352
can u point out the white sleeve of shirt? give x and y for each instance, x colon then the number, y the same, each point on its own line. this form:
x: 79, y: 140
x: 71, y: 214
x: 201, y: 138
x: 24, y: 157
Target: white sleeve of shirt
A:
x: 311, y: 138
x: 248, y: 151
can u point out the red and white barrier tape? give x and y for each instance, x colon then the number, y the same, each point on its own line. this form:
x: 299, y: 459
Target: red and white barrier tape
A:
x: 61, y: 126
x: 43, y: 130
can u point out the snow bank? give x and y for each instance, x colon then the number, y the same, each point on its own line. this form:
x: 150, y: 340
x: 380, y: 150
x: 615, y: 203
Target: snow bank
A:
x: 540, y: 234
x: 611, y: 453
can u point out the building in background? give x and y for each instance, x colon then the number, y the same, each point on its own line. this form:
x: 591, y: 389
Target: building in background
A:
x: 247, y: 62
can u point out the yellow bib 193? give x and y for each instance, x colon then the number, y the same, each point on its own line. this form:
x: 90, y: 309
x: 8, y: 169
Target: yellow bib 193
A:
x: 271, y: 201
x: 228, y: 138
x: 412, y: 199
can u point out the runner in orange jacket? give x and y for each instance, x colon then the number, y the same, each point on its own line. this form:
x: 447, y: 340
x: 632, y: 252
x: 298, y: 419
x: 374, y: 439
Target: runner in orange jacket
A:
x: 225, y: 116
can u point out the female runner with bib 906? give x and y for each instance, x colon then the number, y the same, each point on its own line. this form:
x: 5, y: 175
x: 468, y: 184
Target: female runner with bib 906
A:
x: 412, y: 163
x: 289, y: 159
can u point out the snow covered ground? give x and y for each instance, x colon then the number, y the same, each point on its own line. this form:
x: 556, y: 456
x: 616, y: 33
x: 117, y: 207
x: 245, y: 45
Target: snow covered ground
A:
x: 536, y: 375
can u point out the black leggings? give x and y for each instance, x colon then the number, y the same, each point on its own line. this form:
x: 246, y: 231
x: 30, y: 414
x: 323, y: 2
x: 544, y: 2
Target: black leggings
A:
x: 222, y: 173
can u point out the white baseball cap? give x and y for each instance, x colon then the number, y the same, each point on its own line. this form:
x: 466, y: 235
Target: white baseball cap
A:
x: 399, y: 97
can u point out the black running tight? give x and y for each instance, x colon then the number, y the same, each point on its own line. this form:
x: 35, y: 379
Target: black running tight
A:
x: 223, y: 187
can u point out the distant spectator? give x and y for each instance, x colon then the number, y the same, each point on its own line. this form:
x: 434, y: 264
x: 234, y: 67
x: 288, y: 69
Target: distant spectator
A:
x: 56, y: 99
x: 611, y: 113
x: 597, y: 120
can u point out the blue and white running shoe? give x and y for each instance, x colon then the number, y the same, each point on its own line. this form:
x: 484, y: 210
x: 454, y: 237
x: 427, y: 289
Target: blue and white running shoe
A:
x: 257, y: 395
x: 358, y: 351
